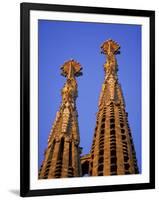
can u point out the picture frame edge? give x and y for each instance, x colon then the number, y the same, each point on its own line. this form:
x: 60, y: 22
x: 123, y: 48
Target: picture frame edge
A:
x: 25, y: 190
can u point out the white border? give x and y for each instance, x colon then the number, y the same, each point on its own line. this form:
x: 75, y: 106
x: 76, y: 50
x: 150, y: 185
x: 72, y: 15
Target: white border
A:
x: 87, y: 181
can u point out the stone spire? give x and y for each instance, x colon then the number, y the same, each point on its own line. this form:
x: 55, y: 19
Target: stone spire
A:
x: 62, y: 156
x: 112, y: 151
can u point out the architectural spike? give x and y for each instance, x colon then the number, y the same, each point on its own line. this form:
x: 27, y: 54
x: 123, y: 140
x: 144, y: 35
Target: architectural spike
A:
x: 112, y: 151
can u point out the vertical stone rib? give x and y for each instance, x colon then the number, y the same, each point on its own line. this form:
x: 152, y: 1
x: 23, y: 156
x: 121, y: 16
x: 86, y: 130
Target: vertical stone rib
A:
x: 46, y: 163
x: 107, y: 145
x: 120, y: 157
x: 130, y: 151
x: 96, y: 151
x: 58, y: 162
x: 76, y: 161
x: 101, y: 145
x: 65, y: 160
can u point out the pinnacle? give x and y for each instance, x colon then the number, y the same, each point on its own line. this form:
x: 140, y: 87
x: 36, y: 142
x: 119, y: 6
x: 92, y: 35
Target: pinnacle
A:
x: 71, y: 68
x: 110, y: 46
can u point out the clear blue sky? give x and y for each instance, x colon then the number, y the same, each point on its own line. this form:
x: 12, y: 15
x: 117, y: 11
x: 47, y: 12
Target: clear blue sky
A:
x: 61, y: 41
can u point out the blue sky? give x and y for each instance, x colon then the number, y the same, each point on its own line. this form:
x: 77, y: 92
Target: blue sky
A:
x: 60, y: 41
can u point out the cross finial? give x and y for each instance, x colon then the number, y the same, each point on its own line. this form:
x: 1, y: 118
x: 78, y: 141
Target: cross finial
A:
x: 71, y: 68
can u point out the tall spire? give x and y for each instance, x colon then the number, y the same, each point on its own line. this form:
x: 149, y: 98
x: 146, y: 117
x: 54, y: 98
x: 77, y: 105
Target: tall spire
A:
x: 62, y: 156
x: 112, y: 151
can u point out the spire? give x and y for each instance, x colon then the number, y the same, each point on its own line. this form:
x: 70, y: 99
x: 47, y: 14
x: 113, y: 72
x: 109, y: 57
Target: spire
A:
x: 62, y: 157
x: 112, y: 151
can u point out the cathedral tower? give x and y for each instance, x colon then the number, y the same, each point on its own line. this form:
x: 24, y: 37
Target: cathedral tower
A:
x: 62, y: 156
x: 112, y: 151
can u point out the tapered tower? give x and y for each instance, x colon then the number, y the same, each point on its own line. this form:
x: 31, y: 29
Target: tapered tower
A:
x: 112, y: 151
x: 62, y: 156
